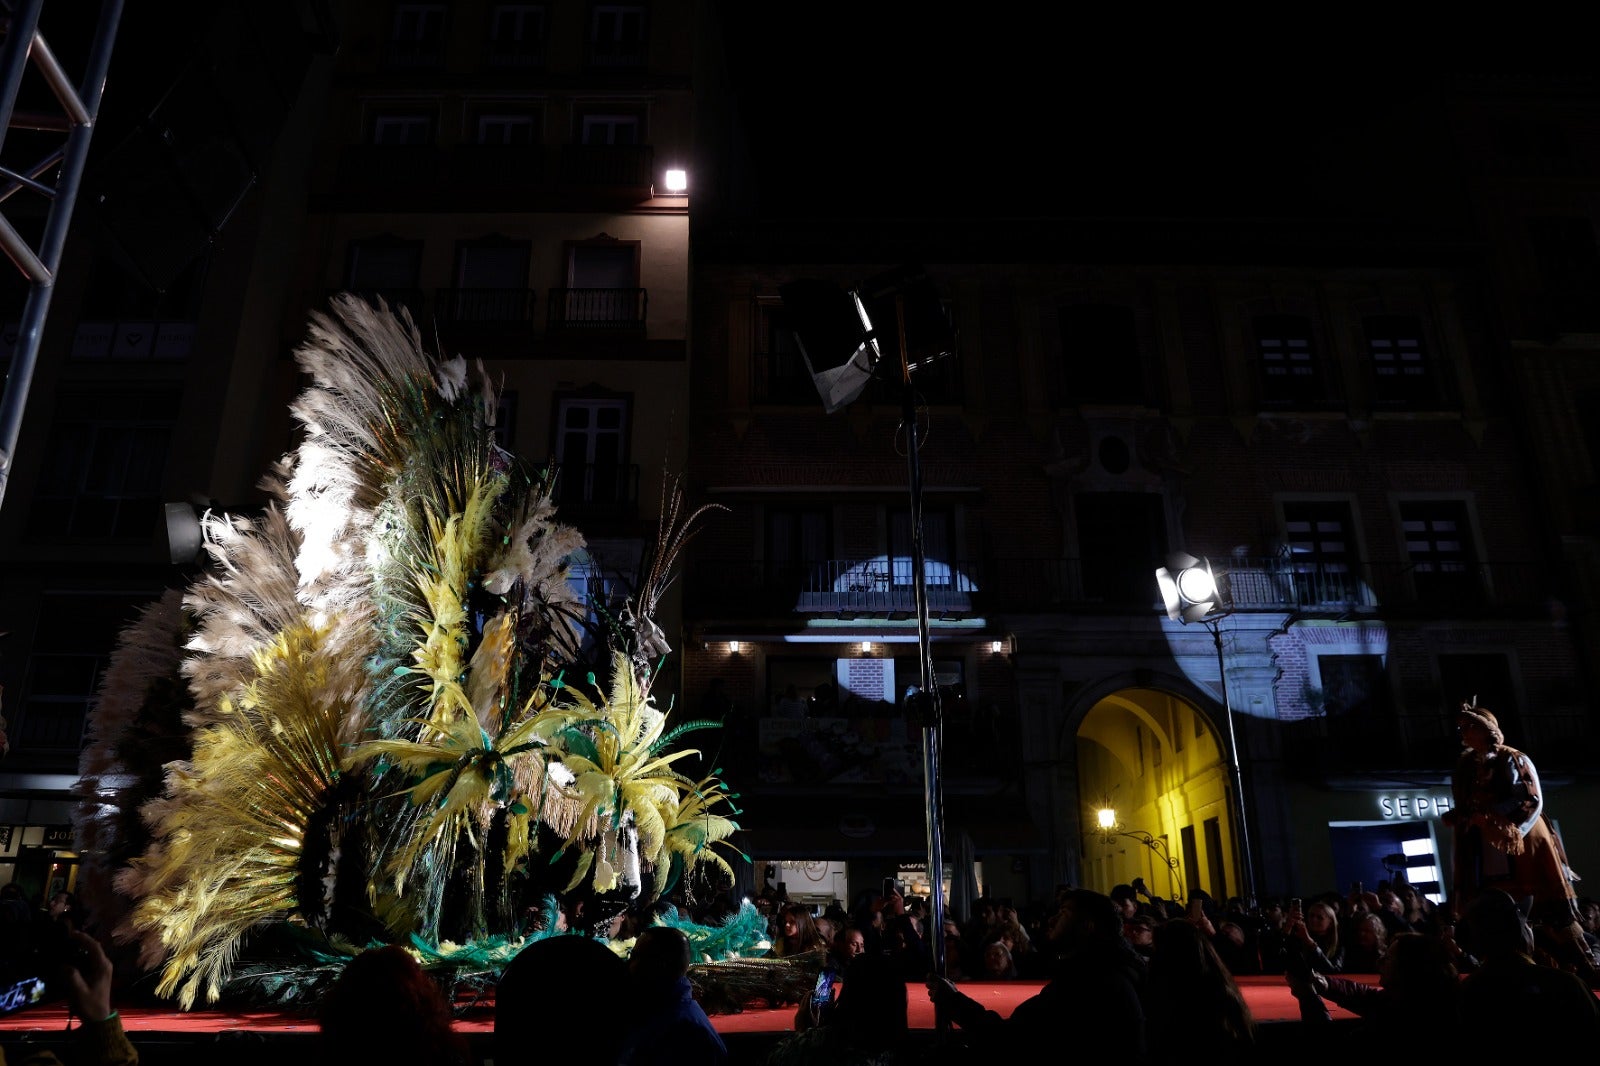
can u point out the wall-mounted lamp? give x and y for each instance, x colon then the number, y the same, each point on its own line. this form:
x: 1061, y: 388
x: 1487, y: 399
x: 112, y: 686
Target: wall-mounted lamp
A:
x: 866, y: 647
x: 997, y: 646
x: 677, y: 180
x: 734, y: 646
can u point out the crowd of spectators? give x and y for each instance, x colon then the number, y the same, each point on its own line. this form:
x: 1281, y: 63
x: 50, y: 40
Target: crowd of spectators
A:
x: 1159, y: 975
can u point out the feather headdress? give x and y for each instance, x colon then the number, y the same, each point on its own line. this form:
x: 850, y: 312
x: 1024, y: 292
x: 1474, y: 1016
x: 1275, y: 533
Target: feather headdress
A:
x: 368, y: 682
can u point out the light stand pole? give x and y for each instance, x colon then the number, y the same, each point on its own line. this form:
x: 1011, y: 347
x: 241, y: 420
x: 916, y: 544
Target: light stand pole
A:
x: 1189, y: 593
x: 1247, y: 865
x: 930, y: 718
x: 840, y: 335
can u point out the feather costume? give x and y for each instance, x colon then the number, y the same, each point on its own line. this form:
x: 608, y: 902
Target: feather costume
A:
x: 375, y: 732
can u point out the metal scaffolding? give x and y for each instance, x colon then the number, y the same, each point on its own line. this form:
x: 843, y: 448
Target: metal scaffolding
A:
x: 79, y: 107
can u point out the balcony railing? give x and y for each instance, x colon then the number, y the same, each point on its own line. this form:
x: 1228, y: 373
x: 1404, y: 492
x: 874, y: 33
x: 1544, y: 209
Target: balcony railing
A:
x: 884, y: 585
x: 608, y: 164
x: 597, y: 309
x: 389, y: 164
x: 598, y: 488
x: 1272, y: 584
x: 498, y: 165
x: 484, y: 306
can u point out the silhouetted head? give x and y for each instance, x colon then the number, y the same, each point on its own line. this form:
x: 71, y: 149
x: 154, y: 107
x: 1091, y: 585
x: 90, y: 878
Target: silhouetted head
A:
x: 551, y: 982
x: 385, y: 1008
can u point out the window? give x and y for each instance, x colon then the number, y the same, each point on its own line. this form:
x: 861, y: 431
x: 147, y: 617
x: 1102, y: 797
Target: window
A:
x: 1287, y: 361
x: 799, y: 548
x: 780, y: 370
x: 1354, y: 686
x: 1118, y: 534
x: 402, y: 131
x: 503, y: 129
x: 103, y: 468
x: 617, y: 35
x: 1191, y: 860
x: 591, y: 448
x: 1216, y: 862
x: 491, y: 282
x: 1438, y: 537
x: 516, y: 35
x: 1319, y: 549
x: 1100, y: 355
x: 603, y: 286
x: 417, y: 36
x: 386, y: 268
x: 1485, y: 678
x: 609, y: 129
x: 938, y: 547
x: 1402, y: 374
x: 74, y: 639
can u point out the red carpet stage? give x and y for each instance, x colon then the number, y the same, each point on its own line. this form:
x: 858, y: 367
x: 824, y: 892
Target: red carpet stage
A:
x: 1268, y: 997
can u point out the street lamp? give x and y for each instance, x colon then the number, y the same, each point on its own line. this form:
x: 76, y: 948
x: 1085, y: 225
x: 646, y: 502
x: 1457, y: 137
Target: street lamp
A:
x: 1112, y: 830
x: 1190, y: 593
x: 885, y: 328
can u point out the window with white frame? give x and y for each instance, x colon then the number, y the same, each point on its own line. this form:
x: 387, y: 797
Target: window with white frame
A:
x: 517, y: 35
x: 402, y: 130
x: 617, y: 34
x: 610, y: 129
x: 417, y: 35
x: 506, y: 129
x: 591, y: 448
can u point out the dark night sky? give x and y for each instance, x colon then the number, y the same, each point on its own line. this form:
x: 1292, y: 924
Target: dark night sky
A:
x: 851, y: 106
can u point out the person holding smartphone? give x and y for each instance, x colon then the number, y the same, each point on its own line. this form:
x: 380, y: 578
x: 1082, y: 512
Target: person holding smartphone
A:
x: 86, y: 980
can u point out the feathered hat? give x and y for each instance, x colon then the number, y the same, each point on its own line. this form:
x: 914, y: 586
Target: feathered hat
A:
x: 1484, y: 717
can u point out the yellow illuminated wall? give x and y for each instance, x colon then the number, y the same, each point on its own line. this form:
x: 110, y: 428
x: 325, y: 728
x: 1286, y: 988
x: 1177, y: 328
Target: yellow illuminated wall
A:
x: 1156, y: 761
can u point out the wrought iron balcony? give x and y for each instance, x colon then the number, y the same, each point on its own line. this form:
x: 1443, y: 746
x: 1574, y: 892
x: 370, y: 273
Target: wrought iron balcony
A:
x: 597, y: 309
x: 1024, y: 584
x: 498, y: 166
x: 484, y: 306
x: 385, y: 165
x: 598, y: 489
x: 1285, y: 583
x: 630, y: 165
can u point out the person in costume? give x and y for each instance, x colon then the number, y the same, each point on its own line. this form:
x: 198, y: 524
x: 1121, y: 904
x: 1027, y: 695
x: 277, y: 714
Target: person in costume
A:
x: 1503, y: 838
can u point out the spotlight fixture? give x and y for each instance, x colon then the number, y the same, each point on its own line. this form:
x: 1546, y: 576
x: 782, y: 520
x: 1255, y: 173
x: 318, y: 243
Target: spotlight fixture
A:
x: 1188, y: 588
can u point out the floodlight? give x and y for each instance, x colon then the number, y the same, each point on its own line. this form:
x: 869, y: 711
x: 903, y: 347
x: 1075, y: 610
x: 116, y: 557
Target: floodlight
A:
x: 1188, y: 588
x: 677, y: 180
x: 845, y: 335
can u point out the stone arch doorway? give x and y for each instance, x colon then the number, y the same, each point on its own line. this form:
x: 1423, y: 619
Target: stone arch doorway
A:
x: 1156, y: 760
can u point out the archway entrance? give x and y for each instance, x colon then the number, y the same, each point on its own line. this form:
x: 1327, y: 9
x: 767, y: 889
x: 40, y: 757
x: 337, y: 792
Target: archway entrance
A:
x: 1155, y: 760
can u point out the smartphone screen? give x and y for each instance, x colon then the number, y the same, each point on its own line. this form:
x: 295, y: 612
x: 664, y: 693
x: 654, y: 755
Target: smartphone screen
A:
x: 822, y: 995
x: 24, y: 993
